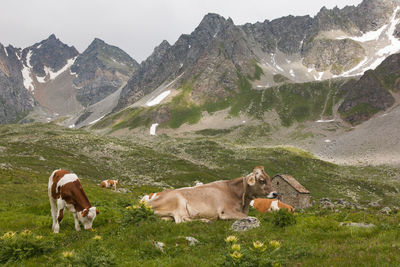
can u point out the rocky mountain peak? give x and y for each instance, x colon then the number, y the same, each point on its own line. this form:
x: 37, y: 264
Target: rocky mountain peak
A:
x: 49, y: 54
x: 101, y: 69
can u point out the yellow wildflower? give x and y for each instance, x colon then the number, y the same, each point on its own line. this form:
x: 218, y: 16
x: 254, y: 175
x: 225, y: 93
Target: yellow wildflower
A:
x: 236, y: 247
x: 97, y: 237
x: 8, y: 235
x: 236, y: 255
x: 68, y: 254
x: 26, y: 233
x: 277, y: 264
x: 135, y: 207
x: 258, y: 244
x: 39, y: 237
x: 231, y: 239
x: 275, y: 244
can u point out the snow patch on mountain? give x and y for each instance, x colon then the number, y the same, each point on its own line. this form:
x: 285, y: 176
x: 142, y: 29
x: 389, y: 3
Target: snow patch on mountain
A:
x: 5, y: 50
x: 53, y: 75
x: 93, y: 122
x: 366, y: 37
x: 157, y: 100
x: 153, y: 129
x: 26, y: 73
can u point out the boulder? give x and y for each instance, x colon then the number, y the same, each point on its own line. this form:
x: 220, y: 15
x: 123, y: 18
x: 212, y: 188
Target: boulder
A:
x: 245, y: 224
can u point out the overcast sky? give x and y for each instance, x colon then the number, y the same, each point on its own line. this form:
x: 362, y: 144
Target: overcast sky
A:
x: 136, y: 26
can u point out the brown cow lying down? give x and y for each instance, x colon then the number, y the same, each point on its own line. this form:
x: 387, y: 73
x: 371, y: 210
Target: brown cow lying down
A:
x: 225, y: 199
x: 265, y: 205
x: 65, y: 191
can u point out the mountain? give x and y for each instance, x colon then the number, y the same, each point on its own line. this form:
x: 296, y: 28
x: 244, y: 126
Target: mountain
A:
x: 223, y: 66
x: 335, y: 43
x: 51, y: 79
x: 15, y: 101
x: 375, y: 91
x: 100, y: 70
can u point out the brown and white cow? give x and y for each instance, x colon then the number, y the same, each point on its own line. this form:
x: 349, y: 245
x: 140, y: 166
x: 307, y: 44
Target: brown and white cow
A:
x: 109, y: 183
x: 225, y: 199
x: 266, y: 205
x: 65, y: 191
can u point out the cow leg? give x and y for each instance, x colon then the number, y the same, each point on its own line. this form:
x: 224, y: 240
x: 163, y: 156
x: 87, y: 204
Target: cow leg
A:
x: 228, y: 215
x: 53, y: 205
x: 77, y: 227
x: 60, y: 215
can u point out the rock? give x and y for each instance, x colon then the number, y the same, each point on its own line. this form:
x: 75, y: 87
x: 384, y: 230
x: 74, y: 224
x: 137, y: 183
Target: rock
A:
x: 386, y: 210
x: 245, y: 224
x: 123, y: 190
x: 159, y: 245
x: 192, y: 241
x: 359, y: 225
x: 374, y: 204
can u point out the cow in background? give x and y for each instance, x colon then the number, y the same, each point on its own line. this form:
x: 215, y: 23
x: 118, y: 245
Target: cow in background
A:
x: 109, y: 183
x: 266, y: 205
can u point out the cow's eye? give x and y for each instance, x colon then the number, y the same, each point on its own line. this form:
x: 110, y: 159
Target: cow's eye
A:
x: 262, y: 181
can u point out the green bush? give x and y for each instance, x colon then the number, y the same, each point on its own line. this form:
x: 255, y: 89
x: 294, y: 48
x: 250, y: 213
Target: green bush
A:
x: 15, y: 247
x: 92, y: 256
x: 283, y: 218
x: 138, y: 213
x: 255, y: 254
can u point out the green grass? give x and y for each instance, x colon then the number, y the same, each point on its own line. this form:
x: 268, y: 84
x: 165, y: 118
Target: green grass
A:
x: 31, y: 152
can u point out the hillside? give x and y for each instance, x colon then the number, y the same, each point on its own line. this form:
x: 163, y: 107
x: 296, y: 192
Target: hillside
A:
x: 31, y: 152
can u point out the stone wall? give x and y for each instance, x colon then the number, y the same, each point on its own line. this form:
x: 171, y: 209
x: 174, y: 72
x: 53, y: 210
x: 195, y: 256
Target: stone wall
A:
x: 290, y: 195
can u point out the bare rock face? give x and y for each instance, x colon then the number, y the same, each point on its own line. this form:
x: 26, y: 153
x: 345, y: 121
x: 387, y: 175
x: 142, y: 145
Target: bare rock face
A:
x: 101, y: 69
x: 372, y: 93
x: 15, y: 100
x: 334, y: 55
x: 50, y: 53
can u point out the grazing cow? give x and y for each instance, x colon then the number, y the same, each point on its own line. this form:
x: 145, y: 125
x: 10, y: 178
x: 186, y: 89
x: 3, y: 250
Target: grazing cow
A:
x: 65, y: 191
x: 266, y: 205
x: 109, y: 183
x: 226, y: 199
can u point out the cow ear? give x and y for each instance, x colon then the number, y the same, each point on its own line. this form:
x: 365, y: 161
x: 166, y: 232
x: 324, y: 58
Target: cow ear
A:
x: 251, y: 180
x: 258, y: 171
x: 97, y: 211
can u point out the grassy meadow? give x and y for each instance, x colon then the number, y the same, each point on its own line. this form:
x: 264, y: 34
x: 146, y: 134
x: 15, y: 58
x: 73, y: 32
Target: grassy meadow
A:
x: 126, y: 237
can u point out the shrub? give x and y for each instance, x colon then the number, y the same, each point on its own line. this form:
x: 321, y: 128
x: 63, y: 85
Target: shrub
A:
x: 17, y: 246
x: 283, y: 218
x: 255, y: 254
x: 92, y: 256
x: 138, y: 213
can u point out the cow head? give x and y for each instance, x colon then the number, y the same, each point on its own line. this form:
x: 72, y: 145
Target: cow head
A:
x: 86, y: 217
x: 258, y: 184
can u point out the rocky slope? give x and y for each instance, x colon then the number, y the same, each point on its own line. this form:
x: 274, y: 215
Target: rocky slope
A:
x: 100, y: 70
x: 60, y: 80
x: 15, y: 100
x: 335, y: 43
x: 375, y: 91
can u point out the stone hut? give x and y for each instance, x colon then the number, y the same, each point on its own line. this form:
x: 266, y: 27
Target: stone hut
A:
x: 292, y: 191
